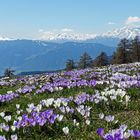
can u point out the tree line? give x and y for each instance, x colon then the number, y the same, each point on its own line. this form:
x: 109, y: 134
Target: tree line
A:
x: 127, y: 51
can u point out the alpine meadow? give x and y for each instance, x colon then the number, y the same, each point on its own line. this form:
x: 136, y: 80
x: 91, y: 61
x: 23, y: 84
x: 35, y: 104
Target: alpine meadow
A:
x: 69, y: 70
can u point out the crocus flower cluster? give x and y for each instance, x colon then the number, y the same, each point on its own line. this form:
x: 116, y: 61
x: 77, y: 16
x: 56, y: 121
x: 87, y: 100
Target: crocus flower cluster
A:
x: 108, y: 91
x: 122, y: 133
x: 40, y: 119
x: 8, y: 97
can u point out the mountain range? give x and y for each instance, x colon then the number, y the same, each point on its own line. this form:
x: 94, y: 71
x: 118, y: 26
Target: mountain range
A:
x: 52, y: 53
x: 110, y: 38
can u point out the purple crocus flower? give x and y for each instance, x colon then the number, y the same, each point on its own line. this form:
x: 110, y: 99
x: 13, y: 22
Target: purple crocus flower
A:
x: 136, y: 133
x: 100, y: 132
x: 2, y: 138
x: 117, y: 136
x: 110, y: 137
x: 52, y: 119
x: 42, y: 122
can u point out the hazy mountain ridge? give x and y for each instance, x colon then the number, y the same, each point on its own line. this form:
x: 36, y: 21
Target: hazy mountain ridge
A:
x: 110, y: 38
x: 29, y: 55
x: 37, y: 55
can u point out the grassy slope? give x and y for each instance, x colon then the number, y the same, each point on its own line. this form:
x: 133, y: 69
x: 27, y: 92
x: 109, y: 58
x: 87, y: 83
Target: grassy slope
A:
x: 129, y: 116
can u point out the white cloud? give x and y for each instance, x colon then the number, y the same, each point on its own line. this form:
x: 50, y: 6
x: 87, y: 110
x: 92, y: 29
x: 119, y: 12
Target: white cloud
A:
x: 132, y: 19
x: 111, y: 23
x: 67, y: 30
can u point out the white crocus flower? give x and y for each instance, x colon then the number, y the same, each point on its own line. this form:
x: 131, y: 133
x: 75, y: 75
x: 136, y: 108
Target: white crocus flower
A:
x: 105, y: 99
x: 113, y: 97
x: 18, y: 112
x: 60, y: 117
x: 49, y: 102
x: 17, y: 106
x: 75, y: 122
x: 29, y: 110
x: 116, y: 121
x: 14, y: 137
x: 82, y: 112
x: 56, y: 88
x: 39, y: 107
x: 2, y: 114
x: 65, y: 103
x: 31, y: 105
x: 101, y: 115
x: 109, y: 118
x: 13, y: 128
x: 7, y: 118
x: 67, y: 109
x: 9, y: 92
x: 19, y: 118
x: 88, y: 122
x: 127, y: 135
x: 127, y: 98
x: 66, y: 130
x: 122, y: 94
x: 57, y: 103
x: 60, y: 88
x: 96, y: 101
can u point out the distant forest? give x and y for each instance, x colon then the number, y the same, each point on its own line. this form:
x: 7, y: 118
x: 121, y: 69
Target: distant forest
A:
x: 128, y: 51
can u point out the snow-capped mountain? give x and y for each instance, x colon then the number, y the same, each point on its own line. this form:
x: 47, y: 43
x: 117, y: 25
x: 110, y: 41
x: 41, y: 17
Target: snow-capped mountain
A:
x: 112, y: 38
x: 128, y: 32
x: 4, y: 38
x: 66, y: 36
x: 33, y: 55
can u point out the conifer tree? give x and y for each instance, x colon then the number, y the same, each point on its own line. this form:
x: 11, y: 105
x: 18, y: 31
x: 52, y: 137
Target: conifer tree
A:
x: 135, y: 49
x: 101, y: 60
x: 8, y: 72
x: 123, y: 52
x: 113, y: 59
x: 85, y: 61
x: 70, y: 64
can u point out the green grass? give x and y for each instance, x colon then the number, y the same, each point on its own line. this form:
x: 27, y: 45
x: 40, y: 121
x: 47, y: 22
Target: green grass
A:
x: 129, y: 115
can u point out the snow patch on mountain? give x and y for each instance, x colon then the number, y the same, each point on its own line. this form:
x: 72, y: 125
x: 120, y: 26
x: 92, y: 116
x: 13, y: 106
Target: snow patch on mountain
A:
x: 128, y: 32
x: 69, y: 36
x: 3, y: 38
x: 65, y: 35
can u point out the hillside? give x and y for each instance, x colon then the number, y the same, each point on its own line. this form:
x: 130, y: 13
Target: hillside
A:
x: 29, y: 55
x: 99, y: 103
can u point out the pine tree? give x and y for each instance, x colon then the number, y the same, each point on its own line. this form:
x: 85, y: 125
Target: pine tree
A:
x: 135, y: 48
x: 123, y: 52
x: 8, y: 72
x: 85, y: 61
x: 113, y: 59
x: 101, y: 60
x: 70, y: 64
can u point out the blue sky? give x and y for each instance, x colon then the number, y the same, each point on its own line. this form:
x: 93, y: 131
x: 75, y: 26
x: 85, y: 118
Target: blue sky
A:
x: 24, y: 18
